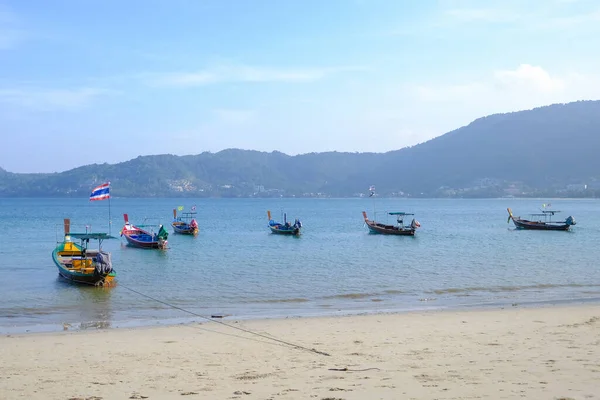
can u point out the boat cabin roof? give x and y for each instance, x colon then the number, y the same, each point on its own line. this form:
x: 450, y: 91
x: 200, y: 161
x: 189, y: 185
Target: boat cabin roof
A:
x: 400, y: 213
x: 545, y: 213
x: 91, y: 235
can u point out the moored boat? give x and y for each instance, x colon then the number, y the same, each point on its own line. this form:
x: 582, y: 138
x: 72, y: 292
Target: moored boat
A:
x: 80, y: 264
x: 400, y: 228
x: 285, y: 228
x: 145, y: 239
x: 185, y: 224
x: 541, y: 221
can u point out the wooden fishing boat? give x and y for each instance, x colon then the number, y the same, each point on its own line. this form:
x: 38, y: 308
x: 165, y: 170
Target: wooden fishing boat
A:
x: 138, y: 237
x: 80, y: 264
x: 186, y: 224
x: 541, y: 221
x: 399, y: 229
x: 285, y: 228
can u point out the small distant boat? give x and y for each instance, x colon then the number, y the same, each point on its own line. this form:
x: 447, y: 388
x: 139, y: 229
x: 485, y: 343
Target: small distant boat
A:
x: 399, y: 229
x: 138, y: 237
x: 80, y: 264
x: 542, y: 221
x: 186, y: 224
x: 284, y: 228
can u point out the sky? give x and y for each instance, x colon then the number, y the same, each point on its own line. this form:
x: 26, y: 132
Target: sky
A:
x: 97, y: 81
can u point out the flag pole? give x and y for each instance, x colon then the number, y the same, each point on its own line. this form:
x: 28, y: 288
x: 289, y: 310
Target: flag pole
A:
x: 109, y: 220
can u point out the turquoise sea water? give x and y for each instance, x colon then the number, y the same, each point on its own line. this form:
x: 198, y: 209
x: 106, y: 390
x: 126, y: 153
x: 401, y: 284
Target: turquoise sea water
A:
x: 464, y: 254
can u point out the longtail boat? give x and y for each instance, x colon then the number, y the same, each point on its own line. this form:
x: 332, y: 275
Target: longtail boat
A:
x: 285, y: 228
x: 138, y: 237
x: 541, y: 221
x: 399, y: 229
x: 185, y: 224
x: 80, y: 264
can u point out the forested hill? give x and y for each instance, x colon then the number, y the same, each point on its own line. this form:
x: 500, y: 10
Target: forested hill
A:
x: 547, y: 150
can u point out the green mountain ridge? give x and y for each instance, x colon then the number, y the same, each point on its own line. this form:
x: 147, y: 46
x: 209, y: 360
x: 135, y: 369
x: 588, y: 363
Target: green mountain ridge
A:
x: 548, y: 150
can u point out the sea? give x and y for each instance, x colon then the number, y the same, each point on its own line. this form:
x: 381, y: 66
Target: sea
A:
x: 464, y: 255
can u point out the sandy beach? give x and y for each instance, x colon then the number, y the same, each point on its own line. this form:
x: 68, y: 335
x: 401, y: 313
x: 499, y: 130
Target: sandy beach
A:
x: 532, y: 353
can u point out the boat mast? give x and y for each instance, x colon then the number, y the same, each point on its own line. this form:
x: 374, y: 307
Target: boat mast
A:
x: 372, y: 194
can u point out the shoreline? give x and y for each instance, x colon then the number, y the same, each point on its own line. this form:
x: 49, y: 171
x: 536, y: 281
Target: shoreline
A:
x: 542, y: 352
x: 99, y: 325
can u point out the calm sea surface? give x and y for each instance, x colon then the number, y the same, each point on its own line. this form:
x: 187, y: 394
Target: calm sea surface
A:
x: 464, y: 254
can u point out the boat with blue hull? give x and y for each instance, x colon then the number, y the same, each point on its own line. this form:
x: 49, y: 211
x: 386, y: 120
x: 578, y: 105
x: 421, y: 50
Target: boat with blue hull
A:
x: 285, y: 228
x: 78, y: 263
x: 142, y: 238
x: 185, y: 224
x: 541, y: 221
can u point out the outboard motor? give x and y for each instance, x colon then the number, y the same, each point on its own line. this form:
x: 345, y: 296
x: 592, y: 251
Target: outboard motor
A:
x: 103, y: 263
x: 570, y: 221
x: 297, y: 224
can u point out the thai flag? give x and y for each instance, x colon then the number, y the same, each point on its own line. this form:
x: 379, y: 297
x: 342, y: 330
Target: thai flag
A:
x: 101, y: 192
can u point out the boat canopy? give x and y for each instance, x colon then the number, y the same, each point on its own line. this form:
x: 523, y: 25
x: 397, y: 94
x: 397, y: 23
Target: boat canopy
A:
x: 186, y: 216
x: 400, y: 213
x: 91, y: 235
x: 544, y: 213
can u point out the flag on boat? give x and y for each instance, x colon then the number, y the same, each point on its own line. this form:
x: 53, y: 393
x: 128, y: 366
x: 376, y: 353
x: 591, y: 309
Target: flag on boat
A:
x: 101, y: 192
x: 180, y: 208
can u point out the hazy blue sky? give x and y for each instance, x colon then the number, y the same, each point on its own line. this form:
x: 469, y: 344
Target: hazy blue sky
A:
x: 92, y: 81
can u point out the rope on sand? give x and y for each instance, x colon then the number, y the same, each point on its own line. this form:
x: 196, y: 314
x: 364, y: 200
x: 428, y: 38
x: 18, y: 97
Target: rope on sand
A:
x: 293, y: 345
x: 352, y: 370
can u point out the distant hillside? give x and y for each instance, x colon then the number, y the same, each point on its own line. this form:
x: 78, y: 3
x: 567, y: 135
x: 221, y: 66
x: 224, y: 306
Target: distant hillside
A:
x: 548, y: 150
x: 547, y: 147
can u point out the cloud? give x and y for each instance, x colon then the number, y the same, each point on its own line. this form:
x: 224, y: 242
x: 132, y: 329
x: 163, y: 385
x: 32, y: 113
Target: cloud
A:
x: 454, y: 18
x: 51, y: 99
x: 247, y: 74
x: 371, y: 116
x: 488, y: 15
x: 576, y: 21
x: 524, y: 83
x: 544, y: 17
x: 523, y: 16
x: 414, y: 113
x: 441, y: 108
x: 528, y: 76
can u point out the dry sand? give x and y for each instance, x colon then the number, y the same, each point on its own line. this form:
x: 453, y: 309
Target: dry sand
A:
x: 530, y: 353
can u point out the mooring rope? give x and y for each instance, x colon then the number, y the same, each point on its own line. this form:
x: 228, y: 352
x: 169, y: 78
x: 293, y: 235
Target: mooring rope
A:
x: 296, y: 346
